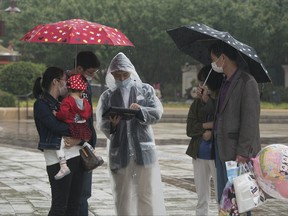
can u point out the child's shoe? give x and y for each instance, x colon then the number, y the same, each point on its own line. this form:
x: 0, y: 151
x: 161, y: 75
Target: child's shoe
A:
x: 64, y: 170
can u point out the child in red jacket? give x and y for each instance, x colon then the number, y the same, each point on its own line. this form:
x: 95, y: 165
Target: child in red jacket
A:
x: 75, y: 111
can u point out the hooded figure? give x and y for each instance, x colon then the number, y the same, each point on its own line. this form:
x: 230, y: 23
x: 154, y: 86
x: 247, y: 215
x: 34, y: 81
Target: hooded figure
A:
x: 135, y: 173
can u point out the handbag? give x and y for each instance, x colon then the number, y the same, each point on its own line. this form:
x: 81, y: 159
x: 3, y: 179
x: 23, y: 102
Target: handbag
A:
x: 248, y: 194
x: 228, y: 203
x: 89, y: 160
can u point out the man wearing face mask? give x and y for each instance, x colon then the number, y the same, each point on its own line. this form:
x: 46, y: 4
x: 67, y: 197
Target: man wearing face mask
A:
x: 236, y: 127
x: 87, y: 64
x: 133, y: 164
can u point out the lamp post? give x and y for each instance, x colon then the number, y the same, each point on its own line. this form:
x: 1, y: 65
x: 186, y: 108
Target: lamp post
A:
x: 13, y: 7
x: 7, y: 55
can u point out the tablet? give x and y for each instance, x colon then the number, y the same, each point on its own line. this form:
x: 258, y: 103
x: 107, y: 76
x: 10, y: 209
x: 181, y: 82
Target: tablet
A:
x: 125, y: 113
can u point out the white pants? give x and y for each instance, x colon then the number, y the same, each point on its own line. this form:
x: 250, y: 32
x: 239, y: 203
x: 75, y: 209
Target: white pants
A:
x: 60, y: 153
x: 203, y: 170
x: 138, y: 190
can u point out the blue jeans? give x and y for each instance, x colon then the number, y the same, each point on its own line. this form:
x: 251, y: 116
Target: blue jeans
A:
x: 86, y: 193
x: 221, y: 173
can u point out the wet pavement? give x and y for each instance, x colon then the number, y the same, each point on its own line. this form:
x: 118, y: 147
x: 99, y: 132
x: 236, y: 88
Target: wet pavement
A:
x: 25, y: 190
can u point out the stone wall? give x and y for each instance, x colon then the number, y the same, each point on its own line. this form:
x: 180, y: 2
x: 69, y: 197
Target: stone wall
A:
x: 12, y: 113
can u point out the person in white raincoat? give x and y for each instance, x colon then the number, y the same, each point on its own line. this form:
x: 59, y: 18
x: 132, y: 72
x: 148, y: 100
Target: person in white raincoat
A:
x: 135, y: 173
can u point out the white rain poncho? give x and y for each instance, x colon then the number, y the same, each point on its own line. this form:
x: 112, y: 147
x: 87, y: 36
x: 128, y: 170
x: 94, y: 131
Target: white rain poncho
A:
x: 133, y: 163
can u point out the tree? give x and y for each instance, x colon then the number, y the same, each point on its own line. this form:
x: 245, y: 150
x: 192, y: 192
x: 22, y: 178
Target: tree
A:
x: 18, y: 78
x: 261, y: 24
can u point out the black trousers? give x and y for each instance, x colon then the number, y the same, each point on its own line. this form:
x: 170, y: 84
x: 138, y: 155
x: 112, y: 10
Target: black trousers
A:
x: 66, y: 192
x: 86, y: 194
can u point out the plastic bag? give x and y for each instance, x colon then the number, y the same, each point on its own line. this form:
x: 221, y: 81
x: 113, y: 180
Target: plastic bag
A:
x: 228, y: 203
x: 248, y: 194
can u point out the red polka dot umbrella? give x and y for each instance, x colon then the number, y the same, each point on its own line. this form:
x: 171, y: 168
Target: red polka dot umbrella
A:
x: 76, y: 31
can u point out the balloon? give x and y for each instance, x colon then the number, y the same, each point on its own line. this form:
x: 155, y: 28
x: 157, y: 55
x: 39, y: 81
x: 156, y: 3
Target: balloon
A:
x: 271, y: 170
x: 281, y: 187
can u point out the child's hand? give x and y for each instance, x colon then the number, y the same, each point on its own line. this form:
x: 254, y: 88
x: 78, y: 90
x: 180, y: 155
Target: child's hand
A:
x: 70, y: 142
x: 54, y: 112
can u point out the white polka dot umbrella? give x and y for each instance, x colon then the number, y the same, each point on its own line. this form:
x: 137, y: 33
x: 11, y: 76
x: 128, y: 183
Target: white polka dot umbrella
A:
x: 196, y: 39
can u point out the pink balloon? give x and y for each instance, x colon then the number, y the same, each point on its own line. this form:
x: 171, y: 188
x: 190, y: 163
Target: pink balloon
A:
x: 271, y: 170
x: 282, y: 188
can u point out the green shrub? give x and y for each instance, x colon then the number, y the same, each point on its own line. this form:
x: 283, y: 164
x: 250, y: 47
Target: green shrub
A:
x: 7, y: 100
x: 18, y: 78
x: 171, y: 92
x: 274, y: 94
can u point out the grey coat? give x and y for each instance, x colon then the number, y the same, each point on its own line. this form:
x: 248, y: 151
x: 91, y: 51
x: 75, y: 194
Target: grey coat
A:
x: 238, y: 119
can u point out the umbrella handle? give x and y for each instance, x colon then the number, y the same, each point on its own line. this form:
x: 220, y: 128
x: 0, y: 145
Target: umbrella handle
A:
x: 207, y: 78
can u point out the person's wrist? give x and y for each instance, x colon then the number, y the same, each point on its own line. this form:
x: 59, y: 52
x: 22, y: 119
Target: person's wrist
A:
x: 205, y: 98
x: 112, y: 128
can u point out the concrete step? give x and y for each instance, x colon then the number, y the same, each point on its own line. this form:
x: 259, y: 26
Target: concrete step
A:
x: 174, y: 118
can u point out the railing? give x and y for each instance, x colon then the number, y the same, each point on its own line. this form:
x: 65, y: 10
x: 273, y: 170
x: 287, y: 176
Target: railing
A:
x: 25, y: 97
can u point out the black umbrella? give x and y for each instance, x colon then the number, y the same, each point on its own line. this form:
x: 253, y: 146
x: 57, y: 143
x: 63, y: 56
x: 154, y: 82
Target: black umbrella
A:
x: 196, y: 39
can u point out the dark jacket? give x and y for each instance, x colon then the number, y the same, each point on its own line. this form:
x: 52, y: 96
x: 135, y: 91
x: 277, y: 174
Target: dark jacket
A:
x: 50, y: 129
x: 198, y: 114
x: 238, y: 119
x: 93, y: 140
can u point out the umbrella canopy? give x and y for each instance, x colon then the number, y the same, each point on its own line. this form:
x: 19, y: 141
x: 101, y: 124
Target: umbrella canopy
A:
x: 196, y: 39
x: 76, y: 31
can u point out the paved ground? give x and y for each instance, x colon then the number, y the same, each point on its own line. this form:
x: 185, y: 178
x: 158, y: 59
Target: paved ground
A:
x: 25, y: 190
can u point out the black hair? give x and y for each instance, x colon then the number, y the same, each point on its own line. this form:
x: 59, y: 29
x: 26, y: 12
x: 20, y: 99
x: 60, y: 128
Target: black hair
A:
x: 87, y: 59
x: 43, y: 84
x: 215, y: 79
x: 221, y: 47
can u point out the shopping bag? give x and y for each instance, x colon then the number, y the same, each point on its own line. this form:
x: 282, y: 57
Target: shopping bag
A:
x: 228, y: 203
x: 248, y: 194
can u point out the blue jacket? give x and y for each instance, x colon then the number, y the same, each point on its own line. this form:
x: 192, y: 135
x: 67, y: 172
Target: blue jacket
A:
x: 50, y: 129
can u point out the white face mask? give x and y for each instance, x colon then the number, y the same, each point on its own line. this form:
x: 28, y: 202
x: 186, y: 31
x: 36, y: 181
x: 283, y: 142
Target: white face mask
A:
x: 216, y: 68
x: 123, y: 83
x: 89, y: 78
x: 63, y: 90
